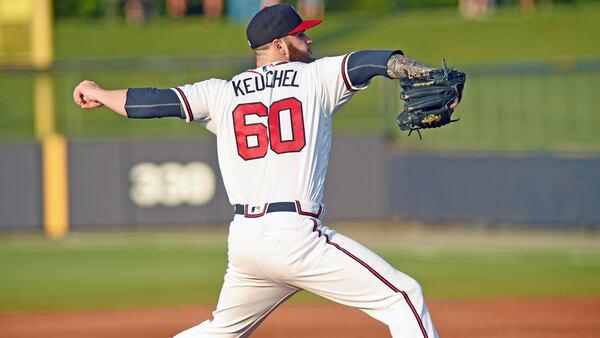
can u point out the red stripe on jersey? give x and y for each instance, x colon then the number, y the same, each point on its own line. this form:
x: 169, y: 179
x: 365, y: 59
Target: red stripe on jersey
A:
x: 187, y: 104
x: 376, y: 274
x: 346, y: 80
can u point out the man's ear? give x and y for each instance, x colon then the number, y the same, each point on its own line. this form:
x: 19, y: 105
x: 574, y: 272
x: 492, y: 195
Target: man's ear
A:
x: 280, y: 47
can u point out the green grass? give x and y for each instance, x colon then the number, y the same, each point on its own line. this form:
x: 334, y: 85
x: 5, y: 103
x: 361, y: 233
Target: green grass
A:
x: 108, y: 272
x: 101, y: 40
x: 502, y: 273
x: 135, y: 269
x: 505, y: 36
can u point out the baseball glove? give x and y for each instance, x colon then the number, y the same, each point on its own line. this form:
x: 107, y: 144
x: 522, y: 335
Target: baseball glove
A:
x: 428, y: 97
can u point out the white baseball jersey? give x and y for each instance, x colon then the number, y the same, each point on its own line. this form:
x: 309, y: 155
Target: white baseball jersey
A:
x: 273, y: 127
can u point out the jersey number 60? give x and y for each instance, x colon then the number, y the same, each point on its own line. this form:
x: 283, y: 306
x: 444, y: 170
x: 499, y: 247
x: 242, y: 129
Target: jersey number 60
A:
x: 290, y: 139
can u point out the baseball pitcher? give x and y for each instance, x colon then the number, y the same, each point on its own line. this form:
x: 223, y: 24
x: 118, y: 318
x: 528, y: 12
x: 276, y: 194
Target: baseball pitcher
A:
x: 273, y: 129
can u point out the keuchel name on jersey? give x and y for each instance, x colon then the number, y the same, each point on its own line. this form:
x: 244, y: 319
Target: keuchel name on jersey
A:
x: 271, y: 79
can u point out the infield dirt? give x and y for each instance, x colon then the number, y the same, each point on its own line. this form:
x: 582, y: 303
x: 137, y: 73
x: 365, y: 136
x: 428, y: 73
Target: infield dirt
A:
x: 516, y: 318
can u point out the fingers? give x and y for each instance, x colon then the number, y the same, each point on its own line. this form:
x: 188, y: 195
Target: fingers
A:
x: 91, y: 104
x: 82, y: 95
x: 454, y: 104
x: 77, y: 95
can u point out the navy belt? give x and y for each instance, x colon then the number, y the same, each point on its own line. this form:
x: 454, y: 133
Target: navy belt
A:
x: 273, y: 207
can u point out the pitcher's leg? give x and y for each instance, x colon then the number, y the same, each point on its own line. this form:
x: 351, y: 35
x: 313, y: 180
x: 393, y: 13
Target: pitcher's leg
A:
x: 400, y: 331
x: 348, y: 273
x: 243, y: 304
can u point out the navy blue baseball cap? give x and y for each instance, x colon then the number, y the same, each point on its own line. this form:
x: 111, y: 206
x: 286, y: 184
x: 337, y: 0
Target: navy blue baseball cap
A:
x: 275, y: 22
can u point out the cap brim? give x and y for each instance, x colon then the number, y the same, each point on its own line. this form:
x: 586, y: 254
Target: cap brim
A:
x: 304, y: 26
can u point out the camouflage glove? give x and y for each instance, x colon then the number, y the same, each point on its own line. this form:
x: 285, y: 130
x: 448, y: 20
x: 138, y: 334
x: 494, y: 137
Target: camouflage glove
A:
x: 428, y: 97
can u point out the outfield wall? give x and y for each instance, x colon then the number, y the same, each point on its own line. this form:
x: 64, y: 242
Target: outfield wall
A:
x: 550, y: 190
x: 20, y: 186
x: 145, y: 183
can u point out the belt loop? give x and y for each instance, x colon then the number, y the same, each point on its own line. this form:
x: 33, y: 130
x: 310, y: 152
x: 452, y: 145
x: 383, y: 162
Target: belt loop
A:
x: 308, y: 213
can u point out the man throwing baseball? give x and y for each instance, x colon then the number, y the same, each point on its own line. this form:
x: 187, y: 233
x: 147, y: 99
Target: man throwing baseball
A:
x: 273, y: 128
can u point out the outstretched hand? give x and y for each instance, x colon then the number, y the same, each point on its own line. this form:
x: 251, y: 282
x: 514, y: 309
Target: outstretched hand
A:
x: 85, y: 95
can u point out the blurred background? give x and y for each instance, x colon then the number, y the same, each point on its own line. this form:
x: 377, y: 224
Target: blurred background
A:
x: 524, y: 158
x: 522, y: 56
x: 529, y: 129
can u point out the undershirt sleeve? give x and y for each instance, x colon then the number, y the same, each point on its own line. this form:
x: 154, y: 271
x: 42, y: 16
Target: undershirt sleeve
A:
x: 365, y: 64
x: 148, y: 103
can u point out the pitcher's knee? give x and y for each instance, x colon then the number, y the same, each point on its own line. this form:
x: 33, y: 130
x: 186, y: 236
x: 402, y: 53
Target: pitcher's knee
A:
x: 410, y: 286
x: 410, y: 293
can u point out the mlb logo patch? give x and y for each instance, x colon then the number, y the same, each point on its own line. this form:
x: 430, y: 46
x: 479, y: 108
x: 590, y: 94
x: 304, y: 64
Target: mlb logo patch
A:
x: 255, y: 210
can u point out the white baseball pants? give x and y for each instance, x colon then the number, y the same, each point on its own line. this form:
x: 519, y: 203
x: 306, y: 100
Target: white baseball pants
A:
x: 276, y: 255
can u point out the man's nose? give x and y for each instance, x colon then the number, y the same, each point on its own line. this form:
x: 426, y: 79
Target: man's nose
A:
x: 308, y: 40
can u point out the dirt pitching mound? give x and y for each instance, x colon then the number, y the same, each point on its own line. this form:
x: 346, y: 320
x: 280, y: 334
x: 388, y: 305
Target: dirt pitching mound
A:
x: 520, y: 318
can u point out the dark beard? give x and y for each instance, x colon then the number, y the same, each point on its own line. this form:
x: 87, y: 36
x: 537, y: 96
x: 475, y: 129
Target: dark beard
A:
x: 299, y: 56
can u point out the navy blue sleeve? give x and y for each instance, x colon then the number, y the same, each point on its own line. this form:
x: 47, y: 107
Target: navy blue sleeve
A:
x: 148, y: 103
x: 365, y: 64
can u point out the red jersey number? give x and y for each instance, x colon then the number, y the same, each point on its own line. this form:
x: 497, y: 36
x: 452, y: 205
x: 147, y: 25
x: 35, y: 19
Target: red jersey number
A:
x: 252, y: 139
x: 256, y: 133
